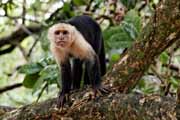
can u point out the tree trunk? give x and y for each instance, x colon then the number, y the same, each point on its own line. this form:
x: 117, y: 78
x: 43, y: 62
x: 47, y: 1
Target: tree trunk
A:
x: 161, y: 32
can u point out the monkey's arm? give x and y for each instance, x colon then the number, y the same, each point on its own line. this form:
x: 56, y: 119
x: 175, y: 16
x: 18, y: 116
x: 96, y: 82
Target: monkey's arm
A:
x: 66, y: 82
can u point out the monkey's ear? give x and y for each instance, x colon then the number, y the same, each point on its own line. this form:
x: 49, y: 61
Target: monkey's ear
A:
x: 73, y: 34
x: 50, y: 34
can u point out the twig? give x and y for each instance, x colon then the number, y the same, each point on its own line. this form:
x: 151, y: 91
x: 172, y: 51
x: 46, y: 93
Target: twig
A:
x: 41, y: 92
x: 89, y: 5
x: 167, y: 89
x: 20, y: 17
x: 24, y: 12
x: 23, y: 51
x: 10, y: 87
x: 157, y: 74
x: 32, y: 47
x: 6, y: 108
x: 172, y: 67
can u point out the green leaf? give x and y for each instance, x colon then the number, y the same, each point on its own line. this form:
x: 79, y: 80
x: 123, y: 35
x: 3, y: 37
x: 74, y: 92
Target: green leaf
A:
x: 66, y: 7
x: 30, y: 80
x: 79, y: 2
x: 47, y: 61
x: 120, y: 40
x: 148, y: 90
x: 129, y: 3
x: 164, y: 57
x: 38, y: 85
x: 44, y: 41
x: 116, y: 37
x: 130, y: 29
x: 50, y: 74
x: 122, y: 36
x: 110, y: 31
x: 174, y: 82
x: 115, y: 57
x: 30, y: 69
x: 132, y: 17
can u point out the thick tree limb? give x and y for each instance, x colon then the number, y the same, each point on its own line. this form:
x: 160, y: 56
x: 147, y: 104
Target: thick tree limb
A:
x: 112, y: 107
x: 18, y: 35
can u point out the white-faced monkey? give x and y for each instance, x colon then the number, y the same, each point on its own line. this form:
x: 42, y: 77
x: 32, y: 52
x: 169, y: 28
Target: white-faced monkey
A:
x: 79, y: 38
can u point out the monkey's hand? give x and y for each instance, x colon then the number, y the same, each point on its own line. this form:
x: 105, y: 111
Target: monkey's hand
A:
x: 100, y: 90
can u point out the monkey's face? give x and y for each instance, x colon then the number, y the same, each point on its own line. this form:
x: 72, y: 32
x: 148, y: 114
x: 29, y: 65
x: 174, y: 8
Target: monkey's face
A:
x: 61, y: 35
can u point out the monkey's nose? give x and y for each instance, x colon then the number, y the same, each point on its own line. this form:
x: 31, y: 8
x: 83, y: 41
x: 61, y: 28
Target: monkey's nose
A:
x: 61, y: 39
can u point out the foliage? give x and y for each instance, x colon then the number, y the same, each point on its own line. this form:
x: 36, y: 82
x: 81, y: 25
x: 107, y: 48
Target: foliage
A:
x: 129, y: 3
x: 122, y: 36
x: 36, y: 74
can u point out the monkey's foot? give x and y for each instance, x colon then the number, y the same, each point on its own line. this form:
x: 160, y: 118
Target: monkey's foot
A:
x: 100, y: 90
x: 62, y: 99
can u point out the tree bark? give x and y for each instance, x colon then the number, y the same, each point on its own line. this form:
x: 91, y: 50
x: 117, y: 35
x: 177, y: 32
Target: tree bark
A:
x: 112, y: 107
x: 161, y: 32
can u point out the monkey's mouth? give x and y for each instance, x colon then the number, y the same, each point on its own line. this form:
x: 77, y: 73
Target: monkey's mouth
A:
x: 61, y: 43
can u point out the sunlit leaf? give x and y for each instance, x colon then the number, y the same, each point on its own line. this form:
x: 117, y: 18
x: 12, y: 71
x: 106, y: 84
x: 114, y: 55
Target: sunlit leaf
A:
x: 47, y: 61
x: 29, y: 69
x: 130, y: 29
x: 115, y: 57
x: 49, y: 74
x: 164, y: 57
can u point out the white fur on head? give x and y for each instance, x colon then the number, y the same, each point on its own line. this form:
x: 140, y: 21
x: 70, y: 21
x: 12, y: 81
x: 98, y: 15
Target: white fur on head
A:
x: 61, y: 27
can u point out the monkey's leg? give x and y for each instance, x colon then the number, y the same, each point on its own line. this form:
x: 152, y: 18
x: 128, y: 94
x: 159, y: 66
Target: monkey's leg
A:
x: 76, y: 73
x: 94, y: 74
x: 66, y: 83
x: 86, y: 77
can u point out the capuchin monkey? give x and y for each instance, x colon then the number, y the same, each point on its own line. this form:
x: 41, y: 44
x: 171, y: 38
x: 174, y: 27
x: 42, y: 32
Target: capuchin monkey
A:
x: 79, y: 39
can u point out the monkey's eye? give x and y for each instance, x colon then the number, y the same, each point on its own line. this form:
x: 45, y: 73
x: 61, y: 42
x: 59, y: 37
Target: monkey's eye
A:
x: 65, y: 32
x: 57, y: 32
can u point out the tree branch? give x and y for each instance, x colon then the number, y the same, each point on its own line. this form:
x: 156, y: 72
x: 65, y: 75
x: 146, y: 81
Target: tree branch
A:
x: 112, y: 107
x: 7, y: 50
x: 18, y: 35
x: 10, y: 87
